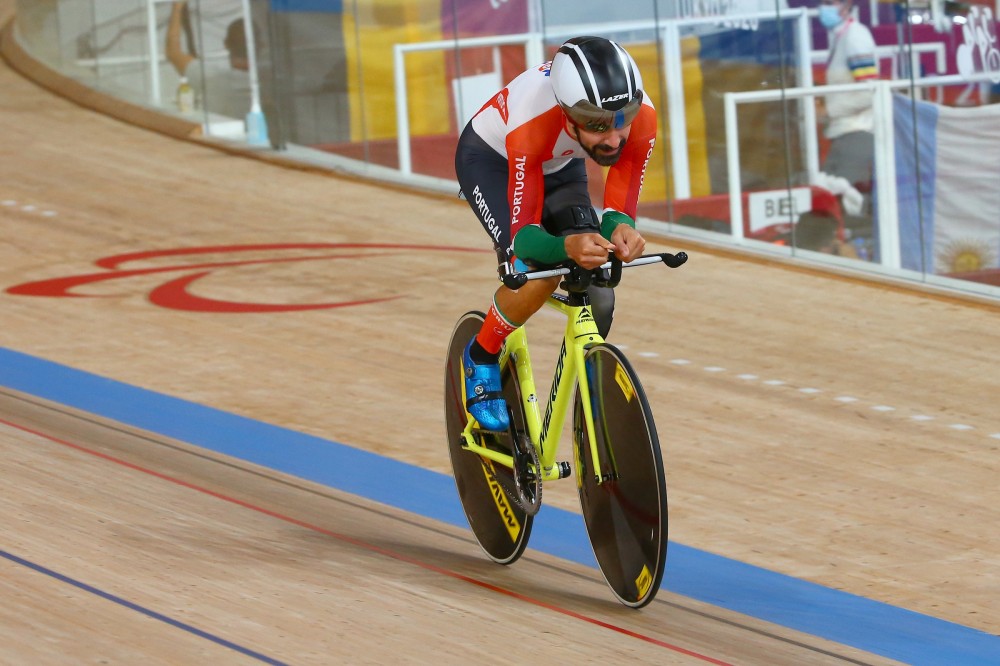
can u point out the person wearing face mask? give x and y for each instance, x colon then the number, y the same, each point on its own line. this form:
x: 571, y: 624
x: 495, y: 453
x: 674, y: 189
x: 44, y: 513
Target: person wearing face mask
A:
x: 848, y: 116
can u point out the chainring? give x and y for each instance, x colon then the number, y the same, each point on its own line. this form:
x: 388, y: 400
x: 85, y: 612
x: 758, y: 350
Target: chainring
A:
x: 527, y: 481
x: 527, y: 490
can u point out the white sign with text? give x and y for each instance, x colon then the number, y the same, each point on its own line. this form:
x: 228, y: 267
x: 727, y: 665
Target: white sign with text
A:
x: 778, y: 207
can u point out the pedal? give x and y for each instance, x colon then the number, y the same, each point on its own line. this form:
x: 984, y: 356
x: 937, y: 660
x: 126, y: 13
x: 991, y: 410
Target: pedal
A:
x: 564, y: 469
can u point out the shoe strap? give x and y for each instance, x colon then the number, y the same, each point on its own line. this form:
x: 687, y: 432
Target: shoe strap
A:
x: 488, y: 395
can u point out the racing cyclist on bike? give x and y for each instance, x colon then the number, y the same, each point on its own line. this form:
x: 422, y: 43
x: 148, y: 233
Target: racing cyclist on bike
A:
x: 520, y: 165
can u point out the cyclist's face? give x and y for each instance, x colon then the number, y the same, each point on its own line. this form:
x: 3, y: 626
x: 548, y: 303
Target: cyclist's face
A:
x: 603, y: 147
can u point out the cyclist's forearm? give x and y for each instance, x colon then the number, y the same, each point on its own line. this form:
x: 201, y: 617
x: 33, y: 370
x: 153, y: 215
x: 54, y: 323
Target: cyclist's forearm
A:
x: 610, y: 221
x: 532, y: 243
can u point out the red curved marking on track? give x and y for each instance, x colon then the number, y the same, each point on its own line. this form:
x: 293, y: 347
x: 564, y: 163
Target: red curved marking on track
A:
x: 175, y: 296
x: 114, y: 261
x: 61, y: 287
x: 375, y: 549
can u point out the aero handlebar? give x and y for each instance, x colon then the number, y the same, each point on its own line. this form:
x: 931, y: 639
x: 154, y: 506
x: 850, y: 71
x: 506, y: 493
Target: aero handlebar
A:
x: 518, y: 280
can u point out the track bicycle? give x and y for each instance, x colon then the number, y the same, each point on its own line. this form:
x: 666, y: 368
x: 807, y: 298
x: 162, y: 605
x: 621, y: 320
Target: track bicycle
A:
x: 616, y: 454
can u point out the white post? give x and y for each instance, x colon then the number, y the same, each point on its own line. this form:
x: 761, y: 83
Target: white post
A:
x: 885, y: 176
x: 733, y: 169
x: 154, y: 54
x: 941, y: 65
x: 402, y: 115
x: 674, y: 75
x: 807, y: 128
x: 535, y: 17
x: 534, y: 50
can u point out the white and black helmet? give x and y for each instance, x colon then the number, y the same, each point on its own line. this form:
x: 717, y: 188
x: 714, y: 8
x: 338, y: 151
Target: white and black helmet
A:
x: 597, y: 83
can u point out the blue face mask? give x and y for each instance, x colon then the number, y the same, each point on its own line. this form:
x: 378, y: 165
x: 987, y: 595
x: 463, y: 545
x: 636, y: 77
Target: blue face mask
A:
x: 829, y: 16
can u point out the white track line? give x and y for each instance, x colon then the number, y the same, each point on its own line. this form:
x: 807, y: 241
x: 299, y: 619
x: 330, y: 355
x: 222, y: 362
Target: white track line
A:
x: 844, y: 399
x: 28, y: 208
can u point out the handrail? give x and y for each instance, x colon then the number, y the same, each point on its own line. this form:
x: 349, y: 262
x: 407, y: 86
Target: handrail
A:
x: 887, y: 211
x: 668, y: 31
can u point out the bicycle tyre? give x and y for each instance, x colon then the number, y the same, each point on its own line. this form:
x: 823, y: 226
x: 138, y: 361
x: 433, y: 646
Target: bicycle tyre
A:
x: 626, y: 515
x: 500, y: 526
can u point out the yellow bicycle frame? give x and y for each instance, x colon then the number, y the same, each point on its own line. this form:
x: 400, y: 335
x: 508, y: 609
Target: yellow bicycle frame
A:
x: 544, y: 431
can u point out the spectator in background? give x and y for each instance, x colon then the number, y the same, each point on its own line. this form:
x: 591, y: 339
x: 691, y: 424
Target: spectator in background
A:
x: 818, y: 233
x: 221, y: 89
x: 848, y: 117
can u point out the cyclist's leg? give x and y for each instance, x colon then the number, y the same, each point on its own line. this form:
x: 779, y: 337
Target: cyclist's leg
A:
x: 482, y: 175
x: 568, y: 210
x: 499, y: 524
x: 527, y: 300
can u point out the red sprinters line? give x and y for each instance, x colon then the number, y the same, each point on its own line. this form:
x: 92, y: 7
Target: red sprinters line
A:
x: 373, y: 548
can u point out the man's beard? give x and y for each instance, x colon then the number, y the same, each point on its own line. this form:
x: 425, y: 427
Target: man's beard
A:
x: 604, y: 159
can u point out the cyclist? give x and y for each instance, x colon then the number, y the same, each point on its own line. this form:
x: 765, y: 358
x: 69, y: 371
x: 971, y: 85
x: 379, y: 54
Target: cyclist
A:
x: 520, y: 165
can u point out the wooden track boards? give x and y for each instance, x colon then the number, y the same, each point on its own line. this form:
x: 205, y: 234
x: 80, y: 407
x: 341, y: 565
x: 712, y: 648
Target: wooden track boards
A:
x: 125, y: 546
x: 832, y: 430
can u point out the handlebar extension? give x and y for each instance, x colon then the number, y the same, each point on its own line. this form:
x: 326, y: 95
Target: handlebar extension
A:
x: 518, y: 280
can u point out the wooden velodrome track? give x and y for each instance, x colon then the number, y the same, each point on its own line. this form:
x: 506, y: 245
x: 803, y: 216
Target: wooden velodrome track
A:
x: 168, y: 425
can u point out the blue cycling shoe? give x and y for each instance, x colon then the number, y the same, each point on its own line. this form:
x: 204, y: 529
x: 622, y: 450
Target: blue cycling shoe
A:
x: 483, y: 396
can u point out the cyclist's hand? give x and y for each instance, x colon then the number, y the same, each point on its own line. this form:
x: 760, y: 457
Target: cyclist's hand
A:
x: 588, y: 250
x: 629, y: 243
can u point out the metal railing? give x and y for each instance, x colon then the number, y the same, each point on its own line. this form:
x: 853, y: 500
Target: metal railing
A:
x: 668, y: 32
x: 887, y: 210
